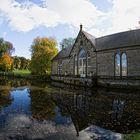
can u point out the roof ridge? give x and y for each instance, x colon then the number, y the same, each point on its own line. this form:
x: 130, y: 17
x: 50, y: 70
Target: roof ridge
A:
x: 133, y: 30
x: 63, y: 53
x: 88, y: 34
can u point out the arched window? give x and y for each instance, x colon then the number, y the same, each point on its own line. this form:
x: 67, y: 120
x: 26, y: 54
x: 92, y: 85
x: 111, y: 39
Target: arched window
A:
x: 124, y: 64
x: 75, y: 65
x: 117, y: 65
x: 82, y: 63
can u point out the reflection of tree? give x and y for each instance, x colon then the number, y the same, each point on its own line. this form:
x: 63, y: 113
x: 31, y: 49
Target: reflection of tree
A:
x: 42, y: 106
x: 5, y: 99
x: 5, y: 81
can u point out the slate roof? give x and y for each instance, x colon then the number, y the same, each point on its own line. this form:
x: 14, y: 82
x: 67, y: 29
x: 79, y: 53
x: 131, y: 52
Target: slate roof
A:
x: 118, y: 40
x: 90, y: 37
x: 113, y: 41
x: 63, y: 53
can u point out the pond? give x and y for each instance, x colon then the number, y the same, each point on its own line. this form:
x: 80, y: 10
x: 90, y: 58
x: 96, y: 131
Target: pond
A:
x: 38, y: 111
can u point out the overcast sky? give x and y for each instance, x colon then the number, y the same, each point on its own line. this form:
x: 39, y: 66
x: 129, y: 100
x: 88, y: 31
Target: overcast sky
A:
x: 23, y: 20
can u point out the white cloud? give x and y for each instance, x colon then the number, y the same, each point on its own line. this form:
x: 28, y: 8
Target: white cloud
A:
x: 26, y: 16
x: 75, y: 12
x: 21, y: 125
x: 124, y: 15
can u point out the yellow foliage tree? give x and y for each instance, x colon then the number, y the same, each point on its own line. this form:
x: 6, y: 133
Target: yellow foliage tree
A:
x: 6, y: 62
x: 42, y: 51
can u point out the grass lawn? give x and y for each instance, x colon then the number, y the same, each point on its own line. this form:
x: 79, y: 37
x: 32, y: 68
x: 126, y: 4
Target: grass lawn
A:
x: 22, y: 72
x: 133, y: 136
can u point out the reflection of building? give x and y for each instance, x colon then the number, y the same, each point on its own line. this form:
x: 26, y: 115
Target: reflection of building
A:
x: 114, y: 59
x: 111, y: 110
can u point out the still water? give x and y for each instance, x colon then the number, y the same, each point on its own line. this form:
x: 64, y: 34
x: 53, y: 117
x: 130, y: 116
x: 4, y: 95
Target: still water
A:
x: 40, y: 111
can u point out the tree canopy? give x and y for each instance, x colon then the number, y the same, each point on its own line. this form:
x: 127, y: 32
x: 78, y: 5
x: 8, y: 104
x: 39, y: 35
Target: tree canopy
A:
x: 20, y: 63
x: 42, y: 51
x: 6, y: 49
x: 66, y: 42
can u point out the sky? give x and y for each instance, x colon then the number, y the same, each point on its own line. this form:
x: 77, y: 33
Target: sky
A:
x: 23, y: 20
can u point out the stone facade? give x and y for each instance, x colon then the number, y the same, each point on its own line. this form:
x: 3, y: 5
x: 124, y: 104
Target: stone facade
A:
x: 106, y: 66
x: 114, y: 56
x: 83, y: 43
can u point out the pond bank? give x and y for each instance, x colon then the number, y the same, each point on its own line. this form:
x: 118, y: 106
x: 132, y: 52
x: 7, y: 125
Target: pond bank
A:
x: 26, y: 76
x: 107, y: 82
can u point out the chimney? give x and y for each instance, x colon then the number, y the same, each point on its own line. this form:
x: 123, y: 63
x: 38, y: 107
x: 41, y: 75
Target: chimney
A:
x: 81, y: 26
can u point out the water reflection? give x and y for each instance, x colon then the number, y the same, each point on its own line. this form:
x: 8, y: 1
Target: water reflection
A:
x: 5, y: 100
x: 42, y: 106
x: 34, y: 111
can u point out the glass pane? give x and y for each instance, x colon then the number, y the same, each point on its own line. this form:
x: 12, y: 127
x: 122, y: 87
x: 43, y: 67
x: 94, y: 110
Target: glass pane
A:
x: 82, y: 62
x: 117, y: 65
x: 124, y: 64
x: 75, y: 65
x: 82, y: 53
x: 88, y: 61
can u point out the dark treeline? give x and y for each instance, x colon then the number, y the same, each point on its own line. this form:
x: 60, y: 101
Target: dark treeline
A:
x: 21, y: 63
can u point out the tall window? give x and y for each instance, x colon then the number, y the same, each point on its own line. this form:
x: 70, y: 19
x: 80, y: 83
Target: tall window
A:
x: 75, y: 65
x: 82, y: 63
x: 124, y: 64
x: 88, y: 63
x: 117, y: 65
x: 59, y: 69
x: 121, y: 64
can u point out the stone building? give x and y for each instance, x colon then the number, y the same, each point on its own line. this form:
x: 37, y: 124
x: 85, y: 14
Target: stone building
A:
x: 112, y: 59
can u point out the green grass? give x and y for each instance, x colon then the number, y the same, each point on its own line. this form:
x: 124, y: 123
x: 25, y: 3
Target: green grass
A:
x: 22, y: 72
x: 133, y: 136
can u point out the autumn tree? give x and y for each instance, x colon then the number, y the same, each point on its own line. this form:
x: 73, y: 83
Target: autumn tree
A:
x: 42, y: 51
x: 66, y: 42
x: 6, y: 49
x: 6, y: 62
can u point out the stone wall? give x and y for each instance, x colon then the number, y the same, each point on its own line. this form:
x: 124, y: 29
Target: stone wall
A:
x: 133, y: 55
x: 54, y: 67
x: 65, y: 65
x: 105, y: 61
x: 83, y: 42
x: 68, y: 63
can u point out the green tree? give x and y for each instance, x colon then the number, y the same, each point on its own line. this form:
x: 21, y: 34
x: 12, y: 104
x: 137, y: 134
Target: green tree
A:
x: 21, y: 63
x: 66, y: 42
x: 42, y: 51
x: 6, y: 49
x: 17, y: 62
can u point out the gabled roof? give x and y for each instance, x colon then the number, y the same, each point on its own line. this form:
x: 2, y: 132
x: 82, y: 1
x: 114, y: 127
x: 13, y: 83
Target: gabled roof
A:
x: 118, y: 40
x: 66, y: 52
x: 90, y: 37
x: 63, y: 53
x: 113, y: 41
